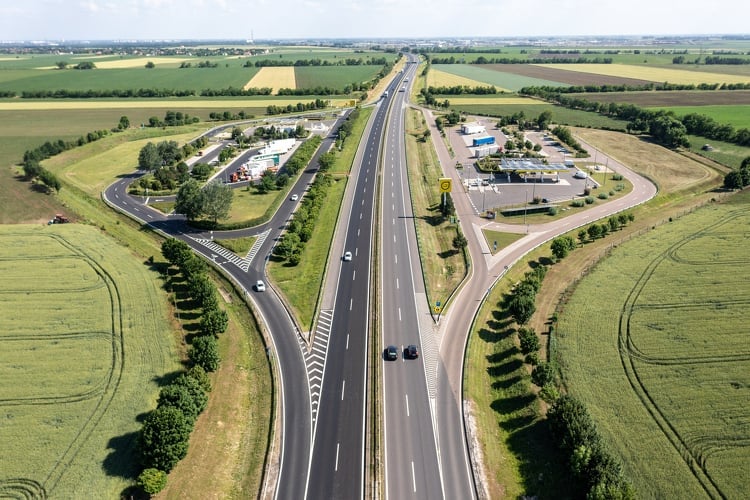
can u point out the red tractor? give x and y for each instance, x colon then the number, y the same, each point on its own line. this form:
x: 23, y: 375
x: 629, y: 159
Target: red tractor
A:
x: 59, y: 219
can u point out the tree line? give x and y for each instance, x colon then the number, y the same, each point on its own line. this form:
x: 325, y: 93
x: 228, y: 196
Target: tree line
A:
x: 462, y: 89
x: 349, y: 61
x: 165, y: 434
x: 289, y: 108
x: 32, y: 167
x: 518, y: 60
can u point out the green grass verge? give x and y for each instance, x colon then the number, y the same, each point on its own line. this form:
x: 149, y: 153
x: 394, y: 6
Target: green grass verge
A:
x: 498, y: 240
x: 443, y: 267
x: 80, y: 357
x: 517, y: 450
x: 345, y: 157
x: 93, y: 167
x: 240, y: 246
x: 668, y: 403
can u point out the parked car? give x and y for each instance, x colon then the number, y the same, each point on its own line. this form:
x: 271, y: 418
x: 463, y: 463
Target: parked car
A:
x: 391, y: 353
x: 260, y: 286
x: 411, y: 352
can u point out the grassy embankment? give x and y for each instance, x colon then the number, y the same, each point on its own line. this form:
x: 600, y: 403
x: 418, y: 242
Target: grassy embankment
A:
x: 509, y: 418
x: 296, y: 282
x: 443, y: 267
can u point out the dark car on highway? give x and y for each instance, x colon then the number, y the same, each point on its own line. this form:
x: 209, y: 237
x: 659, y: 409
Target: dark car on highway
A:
x: 391, y: 353
x: 411, y: 352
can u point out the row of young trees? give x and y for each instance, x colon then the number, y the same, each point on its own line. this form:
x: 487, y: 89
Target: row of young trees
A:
x: 300, y: 229
x: 462, y: 89
x: 163, y: 439
x: 299, y: 107
x: 32, y: 158
x: 597, y: 474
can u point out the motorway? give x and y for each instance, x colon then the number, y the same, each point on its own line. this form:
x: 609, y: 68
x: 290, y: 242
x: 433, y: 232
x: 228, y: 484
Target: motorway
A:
x: 339, y: 458
x: 412, y: 468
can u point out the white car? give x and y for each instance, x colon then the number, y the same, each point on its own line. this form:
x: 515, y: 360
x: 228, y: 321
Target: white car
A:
x: 580, y: 174
x: 295, y: 197
x: 260, y: 286
x: 347, y: 256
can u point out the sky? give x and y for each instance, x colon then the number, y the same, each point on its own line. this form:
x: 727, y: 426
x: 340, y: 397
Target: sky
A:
x: 293, y: 19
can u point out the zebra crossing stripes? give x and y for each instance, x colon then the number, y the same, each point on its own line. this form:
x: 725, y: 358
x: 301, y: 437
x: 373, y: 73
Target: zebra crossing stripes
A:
x: 315, y: 358
x: 256, y: 246
x: 242, y: 263
x: 227, y: 254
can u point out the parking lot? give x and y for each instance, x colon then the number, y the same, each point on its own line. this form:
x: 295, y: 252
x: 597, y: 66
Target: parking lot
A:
x: 494, y: 191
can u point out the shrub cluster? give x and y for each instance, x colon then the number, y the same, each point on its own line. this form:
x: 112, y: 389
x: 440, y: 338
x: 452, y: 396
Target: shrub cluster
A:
x: 598, y: 473
x: 521, y: 301
x: 596, y: 231
x: 738, y: 179
x: 566, y: 137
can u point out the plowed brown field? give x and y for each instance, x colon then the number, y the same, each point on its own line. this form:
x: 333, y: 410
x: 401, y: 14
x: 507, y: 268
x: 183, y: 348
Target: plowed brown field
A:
x: 564, y: 76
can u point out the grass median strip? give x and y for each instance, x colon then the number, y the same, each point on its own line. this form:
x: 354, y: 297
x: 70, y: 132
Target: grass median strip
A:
x: 443, y: 266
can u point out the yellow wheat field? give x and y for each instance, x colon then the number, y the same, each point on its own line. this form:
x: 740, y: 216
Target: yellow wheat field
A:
x: 137, y: 62
x: 275, y: 78
x: 654, y: 74
x: 437, y: 78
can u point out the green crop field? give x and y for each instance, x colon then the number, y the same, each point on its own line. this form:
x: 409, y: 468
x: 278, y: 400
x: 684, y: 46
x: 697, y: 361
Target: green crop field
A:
x: 489, y: 76
x: 654, y: 341
x: 336, y: 77
x: 85, y: 336
x: 736, y: 115
x: 193, y: 78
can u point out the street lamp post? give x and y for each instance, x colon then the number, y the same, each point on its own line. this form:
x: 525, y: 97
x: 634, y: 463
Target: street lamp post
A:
x: 525, y: 205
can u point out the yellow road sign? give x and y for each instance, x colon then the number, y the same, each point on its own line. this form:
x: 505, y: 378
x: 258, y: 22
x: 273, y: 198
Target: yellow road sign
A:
x: 445, y: 184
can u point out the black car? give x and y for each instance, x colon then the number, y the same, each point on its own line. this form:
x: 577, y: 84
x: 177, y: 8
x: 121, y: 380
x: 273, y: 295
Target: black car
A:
x: 391, y: 353
x: 411, y: 352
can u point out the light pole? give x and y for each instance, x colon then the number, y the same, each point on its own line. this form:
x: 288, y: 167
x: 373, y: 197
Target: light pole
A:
x: 525, y: 205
